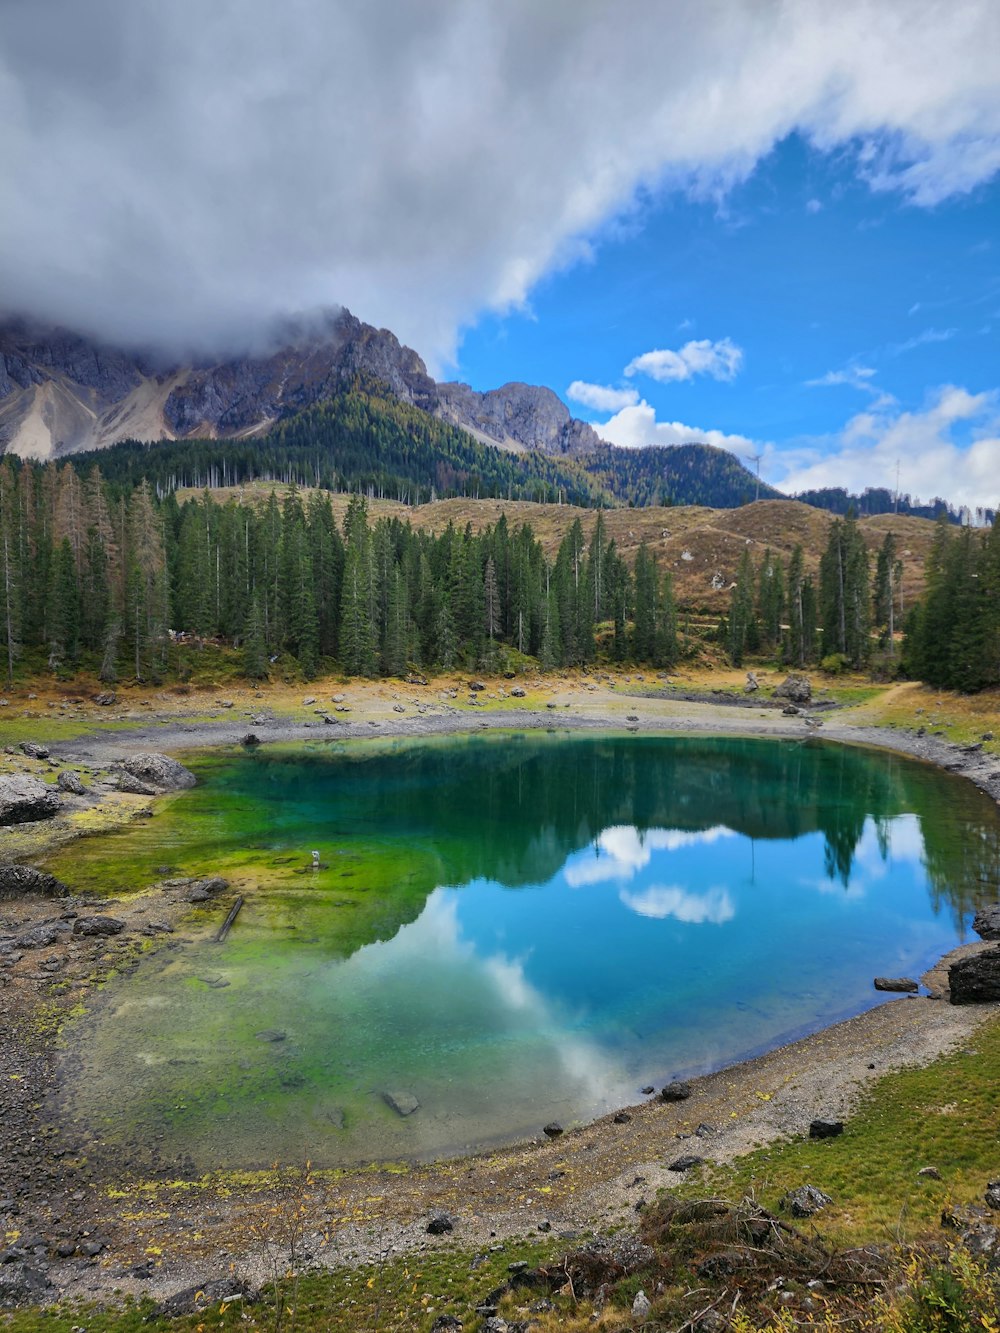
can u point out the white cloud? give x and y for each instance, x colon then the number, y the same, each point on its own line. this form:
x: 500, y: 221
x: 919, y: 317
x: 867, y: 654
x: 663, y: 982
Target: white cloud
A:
x: 601, y: 397
x: 857, y: 377
x: 721, y: 360
x: 813, y: 206
x: 184, y: 172
x: 933, y: 458
x: 921, y: 339
x: 620, y: 852
x: 634, y: 427
x: 661, y: 901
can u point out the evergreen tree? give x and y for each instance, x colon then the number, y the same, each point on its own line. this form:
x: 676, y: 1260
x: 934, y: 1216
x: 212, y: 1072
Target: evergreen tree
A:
x: 10, y: 569
x: 254, y: 646
x: 742, y: 636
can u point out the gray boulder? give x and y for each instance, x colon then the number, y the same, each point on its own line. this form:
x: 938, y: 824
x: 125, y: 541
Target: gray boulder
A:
x: 901, y: 984
x: 795, y: 688
x: 806, y: 1201
x: 158, y: 771
x: 68, y: 781
x: 976, y: 979
x: 986, y: 922
x: 100, y: 926
x: 16, y: 881
x: 403, y: 1103
x: 34, y: 751
x: 20, y: 1284
x: 23, y: 799
x: 134, y: 786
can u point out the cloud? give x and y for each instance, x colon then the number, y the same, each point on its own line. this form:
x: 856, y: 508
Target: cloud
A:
x: 601, y: 397
x: 721, y: 360
x: 181, y: 173
x: 620, y: 852
x: 949, y: 447
x: 661, y: 901
x: 857, y: 377
x: 634, y: 427
x: 921, y: 339
x: 813, y: 206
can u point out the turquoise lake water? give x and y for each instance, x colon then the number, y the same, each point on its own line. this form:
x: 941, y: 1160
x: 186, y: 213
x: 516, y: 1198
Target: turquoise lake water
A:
x: 511, y: 929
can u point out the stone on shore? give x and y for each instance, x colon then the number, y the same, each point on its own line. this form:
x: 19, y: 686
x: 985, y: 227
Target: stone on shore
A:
x: 17, y: 881
x: 100, y: 926
x: 158, y: 771
x: 23, y: 799
x: 795, y: 688
x: 986, y: 922
x: 70, y: 782
x: 976, y: 979
x: 902, y: 984
x: 676, y: 1092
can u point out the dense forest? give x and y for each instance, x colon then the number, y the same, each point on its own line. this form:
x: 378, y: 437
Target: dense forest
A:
x: 110, y: 576
x: 880, y: 500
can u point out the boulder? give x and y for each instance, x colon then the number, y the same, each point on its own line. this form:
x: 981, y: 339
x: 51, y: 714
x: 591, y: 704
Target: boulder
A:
x: 976, y: 979
x: 203, y: 1295
x: 686, y: 1163
x: 986, y: 922
x: 134, y: 786
x: 825, y: 1129
x: 403, y: 1103
x: 106, y: 698
x: 676, y: 1092
x: 42, y: 937
x: 34, y: 751
x: 159, y: 771
x: 797, y: 689
x: 552, y: 1130
x: 100, y: 926
x: 641, y: 1307
x: 23, y: 799
x: 900, y: 984
x: 517, y: 692
x: 476, y: 685
x: 806, y: 1201
x: 439, y: 1224
x: 69, y: 781
x: 16, y: 881
x: 992, y: 1195
x: 20, y: 1284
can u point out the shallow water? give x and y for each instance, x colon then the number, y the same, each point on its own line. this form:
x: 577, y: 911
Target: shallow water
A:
x: 508, y: 929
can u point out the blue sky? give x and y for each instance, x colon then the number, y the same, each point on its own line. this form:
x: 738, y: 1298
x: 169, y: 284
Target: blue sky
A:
x: 771, y: 224
x: 822, y: 302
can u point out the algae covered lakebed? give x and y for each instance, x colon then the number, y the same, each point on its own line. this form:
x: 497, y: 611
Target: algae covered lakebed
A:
x: 506, y: 929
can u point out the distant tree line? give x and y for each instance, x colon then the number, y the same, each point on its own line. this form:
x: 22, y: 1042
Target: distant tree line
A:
x: 953, y: 634
x: 880, y: 500
x: 109, y: 575
x: 843, y: 620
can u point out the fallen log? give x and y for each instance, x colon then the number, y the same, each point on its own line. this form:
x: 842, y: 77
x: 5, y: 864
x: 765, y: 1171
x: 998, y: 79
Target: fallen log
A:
x: 226, y: 926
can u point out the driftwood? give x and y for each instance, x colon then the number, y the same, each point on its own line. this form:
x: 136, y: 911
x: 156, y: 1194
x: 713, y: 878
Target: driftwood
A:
x: 226, y: 926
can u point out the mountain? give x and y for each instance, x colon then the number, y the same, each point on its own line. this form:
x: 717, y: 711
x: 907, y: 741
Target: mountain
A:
x: 61, y: 393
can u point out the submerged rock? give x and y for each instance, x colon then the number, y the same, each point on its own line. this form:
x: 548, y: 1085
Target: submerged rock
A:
x: 23, y: 799
x: 975, y: 980
x: 403, y: 1103
x: 159, y: 771
x: 16, y: 881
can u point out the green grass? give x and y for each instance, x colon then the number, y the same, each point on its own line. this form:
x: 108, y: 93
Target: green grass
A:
x: 946, y: 1115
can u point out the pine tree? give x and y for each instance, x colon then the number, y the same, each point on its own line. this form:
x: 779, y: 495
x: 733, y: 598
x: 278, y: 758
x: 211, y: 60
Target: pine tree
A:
x: 742, y: 637
x: 10, y: 569
x: 254, y: 647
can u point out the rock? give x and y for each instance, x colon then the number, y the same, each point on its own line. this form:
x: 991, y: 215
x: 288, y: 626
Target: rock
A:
x: 641, y: 1307
x: 20, y: 1284
x: 440, y: 1224
x: 752, y: 683
x: 896, y: 984
x: 648, y: 1090
x: 106, y: 698
x: 553, y: 1129
x: 992, y: 1195
x: 34, y: 751
x: 101, y: 926
x: 986, y: 922
x: 825, y: 1129
x: 16, y: 881
x: 551, y: 704
x: 517, y: 692
x: 398, y: 708
x: 675, y: 1092
x: 23, y: 799
x: 159, y: 771
x: 805, y: 1201
x: 68, y: 781
x: 476, y: 685
x: 621, y: 1118
x: 403, y: 1103
x: 447, y: 1323
x: 686, y: 1163
x: 250, y: 740
x: 271, y: 1035
x: 134, y: 786
x: 976, y: 979
x: 42, y: 937
x: 929, y: 1173
x: 790, y: 710
x: 797, y: 689
x: 199, y: 1297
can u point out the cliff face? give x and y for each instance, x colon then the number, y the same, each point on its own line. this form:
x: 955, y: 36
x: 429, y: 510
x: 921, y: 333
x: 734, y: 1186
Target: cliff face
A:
x: 61, y: 393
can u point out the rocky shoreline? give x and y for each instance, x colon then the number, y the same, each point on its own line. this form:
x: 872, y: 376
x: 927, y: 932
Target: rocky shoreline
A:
x: 60, y: 1202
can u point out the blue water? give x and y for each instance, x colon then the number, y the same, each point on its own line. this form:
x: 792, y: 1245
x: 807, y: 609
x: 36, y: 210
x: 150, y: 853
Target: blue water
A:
x: 514, y: 929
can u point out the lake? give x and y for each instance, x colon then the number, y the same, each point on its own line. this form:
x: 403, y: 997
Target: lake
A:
x: 506, y: 929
